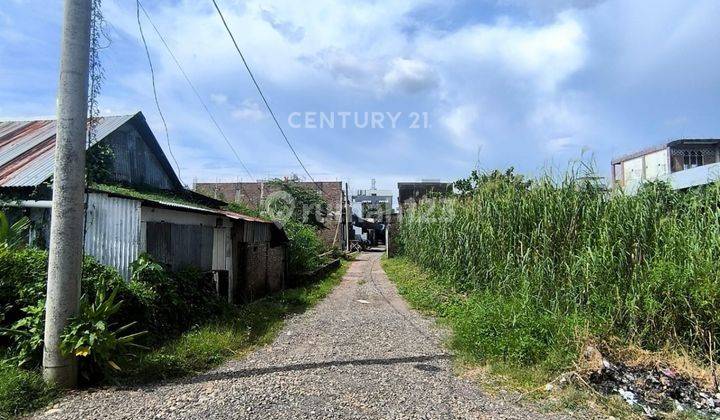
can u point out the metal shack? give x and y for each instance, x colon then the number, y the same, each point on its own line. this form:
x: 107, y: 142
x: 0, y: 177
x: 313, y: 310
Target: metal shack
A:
x: 143, y: 207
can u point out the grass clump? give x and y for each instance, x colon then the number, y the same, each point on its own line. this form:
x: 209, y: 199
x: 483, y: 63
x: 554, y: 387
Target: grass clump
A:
x: 485, y: 328
x: 22, y: 390
x: 531, y: 268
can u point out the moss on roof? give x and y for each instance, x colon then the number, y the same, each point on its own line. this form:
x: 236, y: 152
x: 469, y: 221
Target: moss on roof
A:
x: 149, y: 195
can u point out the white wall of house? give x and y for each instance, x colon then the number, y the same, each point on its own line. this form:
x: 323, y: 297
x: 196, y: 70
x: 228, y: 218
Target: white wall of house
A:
x: 633, y: 169
x: 656, y: 165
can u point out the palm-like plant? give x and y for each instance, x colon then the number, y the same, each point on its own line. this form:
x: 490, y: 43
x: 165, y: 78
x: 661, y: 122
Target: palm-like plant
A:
x: 13, y: 235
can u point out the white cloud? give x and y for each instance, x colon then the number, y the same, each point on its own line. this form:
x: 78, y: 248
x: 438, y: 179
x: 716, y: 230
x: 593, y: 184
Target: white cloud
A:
x: 410, y: 76
x: 291, y: 32
x: 543, y: 55
x: 346, y: 68
x: 508, y: 83
x: 249, y: 110
x: 459, y: 122
x: 219, y: 98
x: 550, y: 6
x: 563, y: 144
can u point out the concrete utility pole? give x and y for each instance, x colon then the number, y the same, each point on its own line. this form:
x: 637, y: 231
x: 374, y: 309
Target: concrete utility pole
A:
x: 66, y: 229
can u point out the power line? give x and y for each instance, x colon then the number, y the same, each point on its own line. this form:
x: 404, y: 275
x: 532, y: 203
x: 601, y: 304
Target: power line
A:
x: 194, y: 89
x: 152, y: 74
x: 267, y: 105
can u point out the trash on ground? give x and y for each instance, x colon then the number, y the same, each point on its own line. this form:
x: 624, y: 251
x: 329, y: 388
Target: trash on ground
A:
x: 655, y: 389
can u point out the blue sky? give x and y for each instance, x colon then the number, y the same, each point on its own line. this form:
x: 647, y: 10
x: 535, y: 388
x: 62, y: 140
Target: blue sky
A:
x: 523, y: 83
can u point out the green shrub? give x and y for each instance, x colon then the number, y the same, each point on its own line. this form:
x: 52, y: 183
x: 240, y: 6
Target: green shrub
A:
x: 23, y: 283
x: 23, y: 278
x: 304, y: 247
x: 97, y: 342
x: 168, y: 303
x: 26, y: 335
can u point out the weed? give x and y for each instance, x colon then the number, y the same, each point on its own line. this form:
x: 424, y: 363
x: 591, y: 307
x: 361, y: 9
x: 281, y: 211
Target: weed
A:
x: 22, y: 390
x: 544, y: 263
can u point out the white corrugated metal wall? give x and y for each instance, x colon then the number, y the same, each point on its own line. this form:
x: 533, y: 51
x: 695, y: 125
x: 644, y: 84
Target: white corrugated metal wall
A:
x: 113, y: 231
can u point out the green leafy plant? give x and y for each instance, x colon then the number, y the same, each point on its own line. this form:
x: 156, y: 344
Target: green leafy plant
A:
x: 168, y: 303
x: 307, y: 205
x: 304, y: 247
x: 92, y: 337
x: 13, y: 235
x: 26, y: 335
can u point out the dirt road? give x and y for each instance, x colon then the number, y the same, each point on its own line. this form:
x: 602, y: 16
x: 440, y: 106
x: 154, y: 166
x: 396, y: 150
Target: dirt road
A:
x: 361, y: 353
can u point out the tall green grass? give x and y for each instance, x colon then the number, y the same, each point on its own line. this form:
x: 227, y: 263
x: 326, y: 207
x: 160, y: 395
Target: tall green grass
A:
x: 544, y: 264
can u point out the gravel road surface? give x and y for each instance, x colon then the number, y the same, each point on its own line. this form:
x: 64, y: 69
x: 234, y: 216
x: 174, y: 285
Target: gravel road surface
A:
x: 360, y: 353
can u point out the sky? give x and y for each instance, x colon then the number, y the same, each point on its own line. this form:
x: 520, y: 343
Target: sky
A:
x: 399, y: 90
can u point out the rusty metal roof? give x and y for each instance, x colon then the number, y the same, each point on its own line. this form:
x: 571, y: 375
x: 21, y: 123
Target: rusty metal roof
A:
x: 240, y: 216
x: 27, y: 149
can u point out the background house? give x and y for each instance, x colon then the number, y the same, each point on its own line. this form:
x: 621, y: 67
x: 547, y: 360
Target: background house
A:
x: 253, y: 194
x: 413, y: 192
x: 141, y: 206
x: 683, y: 163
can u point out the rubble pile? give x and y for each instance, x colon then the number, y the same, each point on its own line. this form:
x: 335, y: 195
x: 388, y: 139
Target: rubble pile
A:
x: 655, y: 389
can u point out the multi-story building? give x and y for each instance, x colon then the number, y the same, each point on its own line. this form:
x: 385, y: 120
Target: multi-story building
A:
x: 373, y: 203
x: 682, y: 163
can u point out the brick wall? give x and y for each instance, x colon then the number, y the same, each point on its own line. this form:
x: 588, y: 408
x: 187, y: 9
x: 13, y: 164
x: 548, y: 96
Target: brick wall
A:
x: 255, y: 270
x: 276, y: 268
x: 251, y: 195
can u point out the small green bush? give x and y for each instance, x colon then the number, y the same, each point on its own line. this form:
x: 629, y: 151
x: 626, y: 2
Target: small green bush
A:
x: 98, y: 343
x: 23, y: 278
x: 304, y: 247
x: 26, y: 335
x: 166, y: 303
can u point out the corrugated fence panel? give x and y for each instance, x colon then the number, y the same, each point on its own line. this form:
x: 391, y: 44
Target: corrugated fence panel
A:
x: 220, y: 248
x: 113, y: 231
x: 180, y: 246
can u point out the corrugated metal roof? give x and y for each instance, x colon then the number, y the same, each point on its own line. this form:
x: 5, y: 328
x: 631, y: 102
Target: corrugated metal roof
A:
x: 227, y: 213
x: 239, y: 216
x: 27, y: 148
x: 182, y: 206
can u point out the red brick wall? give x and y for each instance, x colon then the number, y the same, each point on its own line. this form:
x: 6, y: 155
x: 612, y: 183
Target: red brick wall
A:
x: 255, y: 270
x: 250, y: 193
x: 276, y: 268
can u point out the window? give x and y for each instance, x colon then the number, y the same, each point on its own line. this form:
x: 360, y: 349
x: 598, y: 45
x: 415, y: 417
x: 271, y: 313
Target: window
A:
x: 617, y: 171
x: 692, y: 159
